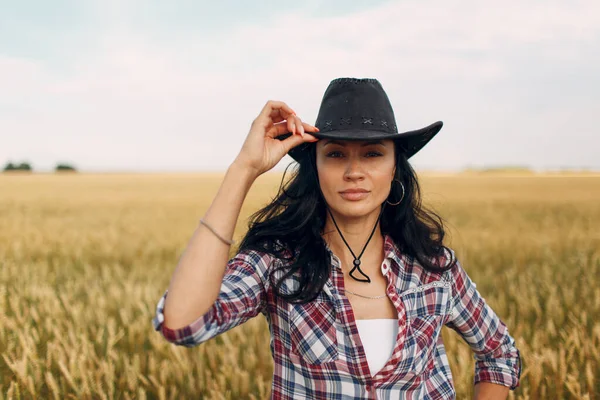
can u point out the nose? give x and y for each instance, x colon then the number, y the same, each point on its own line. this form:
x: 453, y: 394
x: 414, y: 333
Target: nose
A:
x: 354, y: 169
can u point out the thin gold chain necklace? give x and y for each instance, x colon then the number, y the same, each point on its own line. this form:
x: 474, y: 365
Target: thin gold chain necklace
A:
x: 366, y: 297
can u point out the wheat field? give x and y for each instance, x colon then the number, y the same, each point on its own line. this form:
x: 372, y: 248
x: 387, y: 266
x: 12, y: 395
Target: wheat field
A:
x: 85, y: 257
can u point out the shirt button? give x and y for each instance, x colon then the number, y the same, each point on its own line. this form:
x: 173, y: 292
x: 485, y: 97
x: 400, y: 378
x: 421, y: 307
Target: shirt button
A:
x: 384, y: 267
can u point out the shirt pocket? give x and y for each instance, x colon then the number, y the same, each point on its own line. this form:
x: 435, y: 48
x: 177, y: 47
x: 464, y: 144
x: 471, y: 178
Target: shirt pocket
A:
x: 313, y: 333
x: 427, y: 308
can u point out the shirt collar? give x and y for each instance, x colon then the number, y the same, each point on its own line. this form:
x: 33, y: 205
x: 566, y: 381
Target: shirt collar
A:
x: 390, y: 249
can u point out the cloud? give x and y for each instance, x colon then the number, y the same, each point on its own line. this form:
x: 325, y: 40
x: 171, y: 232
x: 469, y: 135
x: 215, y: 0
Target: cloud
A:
x: 498, y: 74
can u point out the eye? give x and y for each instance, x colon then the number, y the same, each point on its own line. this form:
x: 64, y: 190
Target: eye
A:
x: 337, y: 154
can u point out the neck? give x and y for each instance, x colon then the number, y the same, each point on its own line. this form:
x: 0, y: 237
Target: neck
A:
x: 356, y: 231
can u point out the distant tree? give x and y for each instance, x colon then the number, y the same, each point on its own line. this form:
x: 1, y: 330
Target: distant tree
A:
x: 24, y: 166
x: 499, y: 169
x: 65, y: 168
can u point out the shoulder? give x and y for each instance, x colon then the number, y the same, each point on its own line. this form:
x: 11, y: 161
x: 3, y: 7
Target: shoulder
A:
x: 415, y: 271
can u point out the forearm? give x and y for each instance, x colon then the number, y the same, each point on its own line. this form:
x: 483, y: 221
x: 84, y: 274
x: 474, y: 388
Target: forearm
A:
x: 196, y: 282
x: 490, y: 391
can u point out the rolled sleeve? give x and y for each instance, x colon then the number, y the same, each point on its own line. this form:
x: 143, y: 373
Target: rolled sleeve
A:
x: 497, y: 360
x: 242, y: 296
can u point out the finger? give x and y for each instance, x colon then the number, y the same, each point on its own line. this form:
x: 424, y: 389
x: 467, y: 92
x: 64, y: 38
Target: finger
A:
x: 278, y: 118
x: 295, y: 125
x: 296, y: 140
x: 310, y: 128
x: 278, y: 129
x: 274, y: 118
x: 274, y: 106
x: 282, y: 128
x: 299, y: 125
x: 291, y: 124
x: 279, y: 114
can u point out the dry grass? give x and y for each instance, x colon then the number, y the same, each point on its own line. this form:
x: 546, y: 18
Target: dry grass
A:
x: 85, y: 258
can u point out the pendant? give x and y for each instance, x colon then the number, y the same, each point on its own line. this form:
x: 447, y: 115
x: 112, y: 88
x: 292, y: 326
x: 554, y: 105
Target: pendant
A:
x: 357, y: 266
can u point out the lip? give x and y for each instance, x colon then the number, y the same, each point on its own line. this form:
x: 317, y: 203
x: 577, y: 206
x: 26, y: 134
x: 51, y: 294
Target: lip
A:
x: 357, y: 190
x: 354, y: 194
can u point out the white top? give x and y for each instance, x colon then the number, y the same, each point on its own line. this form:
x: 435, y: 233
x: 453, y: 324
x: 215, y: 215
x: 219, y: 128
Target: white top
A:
x: 378, y: 337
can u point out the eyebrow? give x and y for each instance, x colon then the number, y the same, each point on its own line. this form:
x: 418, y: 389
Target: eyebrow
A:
x: 370, y: 142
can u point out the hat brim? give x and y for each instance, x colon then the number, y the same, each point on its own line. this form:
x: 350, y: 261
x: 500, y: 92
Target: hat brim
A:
x: 410, y: 141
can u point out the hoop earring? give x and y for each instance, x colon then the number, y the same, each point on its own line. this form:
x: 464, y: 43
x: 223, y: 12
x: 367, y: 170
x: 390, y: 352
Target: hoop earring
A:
x: 402, y: 198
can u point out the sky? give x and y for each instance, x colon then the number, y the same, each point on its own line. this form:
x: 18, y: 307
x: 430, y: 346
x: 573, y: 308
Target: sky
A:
x: 132, y: 85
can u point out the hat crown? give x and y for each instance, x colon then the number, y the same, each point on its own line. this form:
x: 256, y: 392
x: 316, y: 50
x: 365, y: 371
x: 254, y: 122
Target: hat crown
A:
x: 356, y: 104
x: 359, y: 109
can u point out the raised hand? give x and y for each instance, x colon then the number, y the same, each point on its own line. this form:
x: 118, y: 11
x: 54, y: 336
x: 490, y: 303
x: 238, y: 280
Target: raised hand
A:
x: 261, y: 150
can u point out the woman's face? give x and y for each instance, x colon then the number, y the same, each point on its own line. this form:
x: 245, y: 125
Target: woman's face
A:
x: 346, y: 165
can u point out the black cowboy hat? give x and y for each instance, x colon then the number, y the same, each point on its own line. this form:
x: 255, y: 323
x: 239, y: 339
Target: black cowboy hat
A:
x: 359, y: 109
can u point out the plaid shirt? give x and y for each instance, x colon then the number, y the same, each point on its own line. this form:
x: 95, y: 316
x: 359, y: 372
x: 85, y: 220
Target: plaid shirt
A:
x: 316, y: 347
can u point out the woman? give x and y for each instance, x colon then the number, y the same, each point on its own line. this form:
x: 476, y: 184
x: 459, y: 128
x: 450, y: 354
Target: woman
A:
x: 348, y: 268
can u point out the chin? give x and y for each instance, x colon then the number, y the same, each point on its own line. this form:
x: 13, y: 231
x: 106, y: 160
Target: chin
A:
x: 357, y: 209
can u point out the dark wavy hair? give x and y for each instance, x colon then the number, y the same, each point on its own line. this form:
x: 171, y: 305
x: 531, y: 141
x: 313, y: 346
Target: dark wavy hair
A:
x: 290, y: 227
